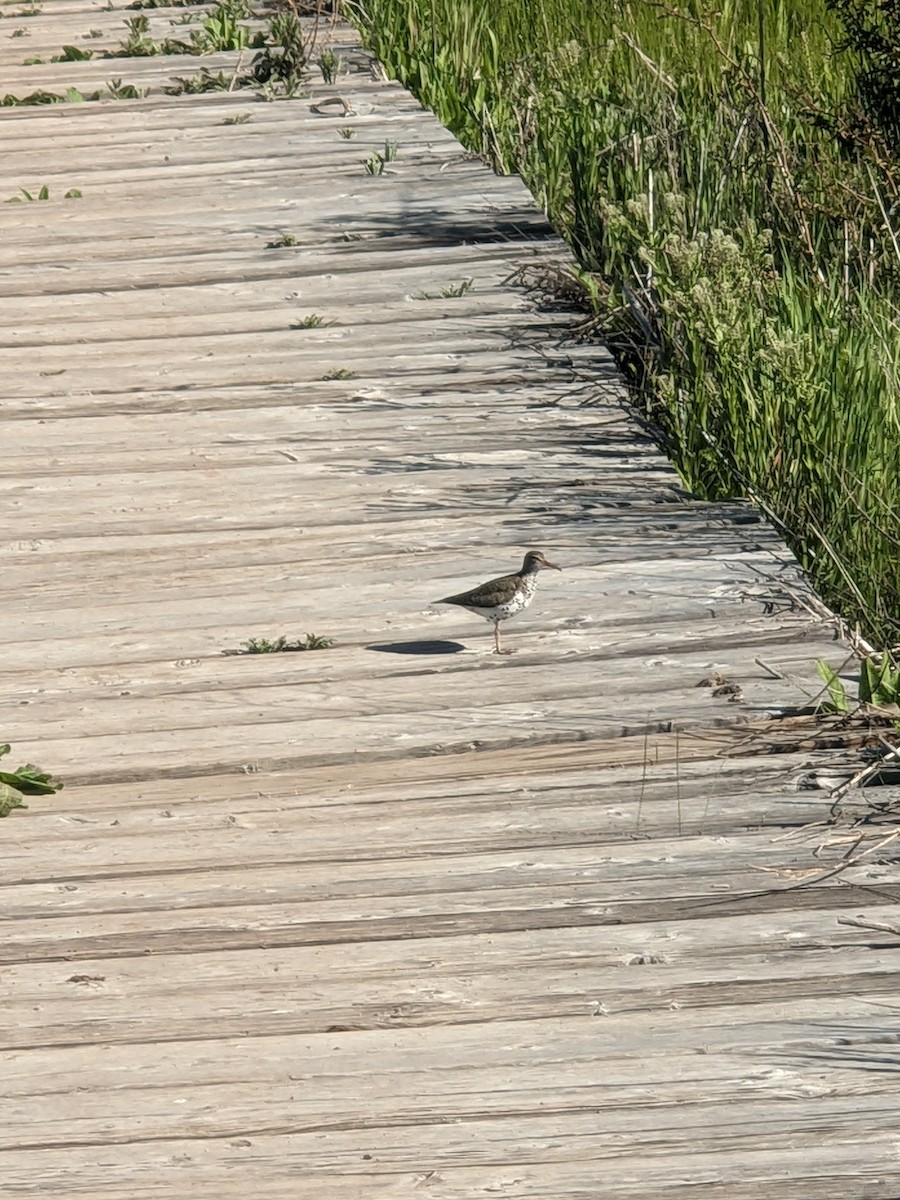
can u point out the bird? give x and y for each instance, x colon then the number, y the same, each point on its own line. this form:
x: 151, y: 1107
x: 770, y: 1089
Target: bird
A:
x: 499, y: 599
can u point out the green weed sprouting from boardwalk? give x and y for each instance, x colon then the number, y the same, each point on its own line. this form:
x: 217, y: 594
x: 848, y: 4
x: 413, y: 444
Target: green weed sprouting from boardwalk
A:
x: 735, y: 209
x: 220, y: 30
x: 204, y: 81
x: 282, y: 645
x: 115, y: 90
x: 43, y: 193
x: 311, y: 321
x: 330, y: 65
x: 26, y: 780
x: 451, y: 291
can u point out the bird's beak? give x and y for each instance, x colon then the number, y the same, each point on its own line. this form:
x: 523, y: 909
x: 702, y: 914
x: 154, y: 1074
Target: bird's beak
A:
x: 547, y: 563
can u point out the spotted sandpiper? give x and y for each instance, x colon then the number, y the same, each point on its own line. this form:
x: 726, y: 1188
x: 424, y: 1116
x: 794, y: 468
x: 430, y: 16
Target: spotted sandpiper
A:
x: 499, y: 599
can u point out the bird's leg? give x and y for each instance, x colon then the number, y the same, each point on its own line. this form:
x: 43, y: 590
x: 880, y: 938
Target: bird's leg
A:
x: 497, y: 647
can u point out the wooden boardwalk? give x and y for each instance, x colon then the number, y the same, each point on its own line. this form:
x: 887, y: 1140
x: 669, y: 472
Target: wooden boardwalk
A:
x: 398, y: 918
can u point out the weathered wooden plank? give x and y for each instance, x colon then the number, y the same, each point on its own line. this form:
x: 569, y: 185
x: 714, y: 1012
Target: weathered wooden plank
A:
x: 816, y: 1167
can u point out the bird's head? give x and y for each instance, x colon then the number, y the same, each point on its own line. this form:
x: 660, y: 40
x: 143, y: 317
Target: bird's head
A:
x: 534, y: 561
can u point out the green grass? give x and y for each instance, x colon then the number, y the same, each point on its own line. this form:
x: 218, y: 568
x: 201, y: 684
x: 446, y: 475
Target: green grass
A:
x: 734, y: 207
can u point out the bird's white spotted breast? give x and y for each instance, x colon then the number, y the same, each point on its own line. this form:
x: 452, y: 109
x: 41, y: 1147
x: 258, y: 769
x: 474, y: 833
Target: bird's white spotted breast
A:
x: 520, y: 600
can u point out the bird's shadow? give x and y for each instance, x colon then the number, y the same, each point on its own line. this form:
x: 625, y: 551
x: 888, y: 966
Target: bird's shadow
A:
x: 424, y: 647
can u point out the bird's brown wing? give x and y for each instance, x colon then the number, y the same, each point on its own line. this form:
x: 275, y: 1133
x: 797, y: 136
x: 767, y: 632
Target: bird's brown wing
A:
x: 487, y: 595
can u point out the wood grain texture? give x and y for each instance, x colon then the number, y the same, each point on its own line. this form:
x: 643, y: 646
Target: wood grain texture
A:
x: 399, y: 918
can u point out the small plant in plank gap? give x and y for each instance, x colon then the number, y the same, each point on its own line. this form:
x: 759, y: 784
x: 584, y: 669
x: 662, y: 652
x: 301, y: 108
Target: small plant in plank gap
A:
x: 374, y: 164
x: 329, y: 64
x: 122, y: 91
x: 24, y: 195
x: 311, y: 321
x: 164, y: 4
x: 195, y: 85
x: 451, y: 292
x: 73, y: 54
x: 26, y: 780
x: 339, y: 373
x: 282, y: 645
x: 221, y: 30
x: 139, y: 43
x: 20, y: 32
x: 390, y: 151
x: 347, y: 132
x: 279, y: 243
x: 238, y: 119
x: 284, y: 57
x: 72, y: 96
x: 43, y: 194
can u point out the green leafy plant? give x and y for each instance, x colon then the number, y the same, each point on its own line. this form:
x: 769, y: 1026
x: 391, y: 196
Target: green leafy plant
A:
x: 879, y: 681
x: 222, y: 30
x: 281, y: 645
x: 139, y: 4
x: 42, y: 194
x: 26, y: 780
x: 73, y: 54
x: 284, y: 57
x: 376, y: 161
x: 311, y: 321
x: 205, y: 81
x: 339, y: 373
x: 139, y: 43
x: 280, y: 243
x: 838, y: 701
x: 347, y: 131
x: 72, y: 96
x: 451, y: 292
x: 24, y: 195
x: 329, y: 64
x: 241, y: 118
x: 118, y: 90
